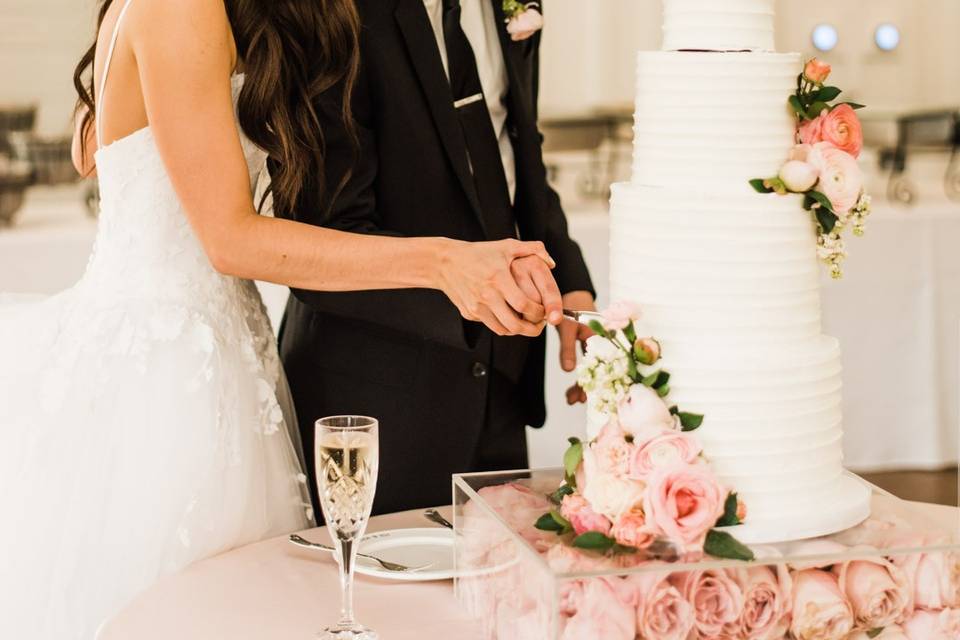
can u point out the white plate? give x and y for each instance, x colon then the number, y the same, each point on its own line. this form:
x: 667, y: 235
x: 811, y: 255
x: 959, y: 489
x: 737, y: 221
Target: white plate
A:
x: 410, y: 547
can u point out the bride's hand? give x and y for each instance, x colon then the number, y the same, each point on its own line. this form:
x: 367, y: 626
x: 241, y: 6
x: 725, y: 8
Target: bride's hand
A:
x: 477, y: 278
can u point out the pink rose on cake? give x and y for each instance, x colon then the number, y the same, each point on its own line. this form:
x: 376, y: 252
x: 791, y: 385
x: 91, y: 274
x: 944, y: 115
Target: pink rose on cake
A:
x: 840, y: 177
x: 663, y: 612
x: 716, y: 598
x: 582, y: 517
x: 632, y: 530
x: 933, y: 625
x: 816, y: 71
x: 619, y: 315
x: 820, y: 611
x: 878, y: 591
x: 684, y: 502
x: 608, y: 494
x: 766, y: 603
x: 644, y: 415
x: 669, y: 448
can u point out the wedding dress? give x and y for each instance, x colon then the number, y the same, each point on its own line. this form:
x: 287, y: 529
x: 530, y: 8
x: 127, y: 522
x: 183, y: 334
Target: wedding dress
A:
x: 143, y: 413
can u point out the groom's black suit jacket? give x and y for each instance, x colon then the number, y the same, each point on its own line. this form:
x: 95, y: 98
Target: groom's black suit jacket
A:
x: 406, y: 356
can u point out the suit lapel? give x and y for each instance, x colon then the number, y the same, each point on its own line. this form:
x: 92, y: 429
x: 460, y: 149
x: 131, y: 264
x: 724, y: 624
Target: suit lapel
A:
x: 421, y: 43
x: 511, y: 59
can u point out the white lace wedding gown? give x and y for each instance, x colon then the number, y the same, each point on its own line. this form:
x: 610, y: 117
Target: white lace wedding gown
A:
x: 143, y: 413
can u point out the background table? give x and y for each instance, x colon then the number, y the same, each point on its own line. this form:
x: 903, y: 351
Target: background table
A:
x: 277, y: 591
x: 897, y: 314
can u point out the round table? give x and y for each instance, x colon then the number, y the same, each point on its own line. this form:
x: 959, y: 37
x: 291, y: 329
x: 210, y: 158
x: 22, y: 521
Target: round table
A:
x: 274, y: 590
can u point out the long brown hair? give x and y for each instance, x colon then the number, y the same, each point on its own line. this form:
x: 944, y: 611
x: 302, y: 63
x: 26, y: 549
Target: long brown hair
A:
x: 293, y: 51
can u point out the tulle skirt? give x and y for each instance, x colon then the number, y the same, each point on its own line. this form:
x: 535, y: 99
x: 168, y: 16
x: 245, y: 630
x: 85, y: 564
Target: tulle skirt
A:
x: 136, y: 437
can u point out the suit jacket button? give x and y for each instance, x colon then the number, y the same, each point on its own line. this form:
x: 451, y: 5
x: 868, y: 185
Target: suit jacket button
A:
x: 479, y: 370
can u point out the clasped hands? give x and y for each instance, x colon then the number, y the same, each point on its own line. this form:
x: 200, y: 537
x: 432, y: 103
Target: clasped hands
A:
x: 508, y: 286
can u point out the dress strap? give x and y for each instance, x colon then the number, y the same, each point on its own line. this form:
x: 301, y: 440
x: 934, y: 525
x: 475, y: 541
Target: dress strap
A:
x: 106, y: 70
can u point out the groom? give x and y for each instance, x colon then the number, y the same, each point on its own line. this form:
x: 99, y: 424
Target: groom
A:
x: 446, y: 107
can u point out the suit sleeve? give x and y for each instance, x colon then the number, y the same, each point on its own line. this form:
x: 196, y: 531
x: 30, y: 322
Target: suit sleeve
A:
x: 347, y: 201
x: 571, y: 273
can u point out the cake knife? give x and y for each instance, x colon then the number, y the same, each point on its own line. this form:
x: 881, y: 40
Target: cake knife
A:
x: 583, y: 317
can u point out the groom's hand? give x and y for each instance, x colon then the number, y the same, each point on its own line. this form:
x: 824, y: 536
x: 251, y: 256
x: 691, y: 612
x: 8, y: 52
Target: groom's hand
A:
x: 572, y: 333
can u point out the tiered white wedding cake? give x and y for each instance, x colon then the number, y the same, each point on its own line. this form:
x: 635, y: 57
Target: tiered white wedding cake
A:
x: 728, y: 279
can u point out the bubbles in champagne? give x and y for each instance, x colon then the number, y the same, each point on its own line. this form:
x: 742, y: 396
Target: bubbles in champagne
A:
x: 347, y: 478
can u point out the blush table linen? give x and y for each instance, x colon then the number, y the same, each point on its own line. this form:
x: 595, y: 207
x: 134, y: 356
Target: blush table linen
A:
x: 275, y: 590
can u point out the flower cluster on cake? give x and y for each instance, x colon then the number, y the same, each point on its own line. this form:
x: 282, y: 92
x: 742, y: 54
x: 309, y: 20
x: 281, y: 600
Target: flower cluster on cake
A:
x: 642, y: 485
x: 823, y: 164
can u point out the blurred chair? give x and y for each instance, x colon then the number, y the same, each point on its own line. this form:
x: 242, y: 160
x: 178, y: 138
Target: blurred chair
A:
x: 934, y: 131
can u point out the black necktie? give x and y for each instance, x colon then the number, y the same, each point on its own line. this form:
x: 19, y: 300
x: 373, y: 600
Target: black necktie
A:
x: 482, y: 144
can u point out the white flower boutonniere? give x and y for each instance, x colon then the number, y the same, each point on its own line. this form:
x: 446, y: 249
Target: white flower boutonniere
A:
x: 523, y: 19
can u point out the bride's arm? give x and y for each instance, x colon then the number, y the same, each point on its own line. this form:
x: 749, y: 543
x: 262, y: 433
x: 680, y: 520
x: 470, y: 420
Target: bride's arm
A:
x: 184, y: 52
x: 83, y: 147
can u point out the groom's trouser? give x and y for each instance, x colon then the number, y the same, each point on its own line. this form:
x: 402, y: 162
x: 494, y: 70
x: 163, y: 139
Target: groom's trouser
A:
x: 442, y: 410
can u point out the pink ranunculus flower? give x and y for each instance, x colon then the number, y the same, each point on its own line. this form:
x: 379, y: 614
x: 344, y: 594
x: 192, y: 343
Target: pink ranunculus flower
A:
x: 841, y: 128
x: 606, y: 609
x: 933, y: 625
x: 840, y: 177
x: 878, y: 591
x: 811, y: 131
x: 670, y: 448
x: 582, y: 517
x: 816, y: 71
x: 632, y: 530
x: 619, y: 315
x: 800, y: 152
x: 820, y: 611
x: 716, y: 599
x: 766, y: 603
x: 684, y: 502
x: 611, y: 450
x: 798, y: 177
x: 644, y: 415
x: 525, y: 25
x: 662, y: 613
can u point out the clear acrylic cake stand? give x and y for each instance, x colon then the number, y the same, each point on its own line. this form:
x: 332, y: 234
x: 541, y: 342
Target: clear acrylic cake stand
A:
x: 505, y: 578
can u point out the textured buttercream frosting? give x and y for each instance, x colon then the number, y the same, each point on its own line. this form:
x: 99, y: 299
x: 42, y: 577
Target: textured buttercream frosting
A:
x: 729, y: 281
x: 718, y: 25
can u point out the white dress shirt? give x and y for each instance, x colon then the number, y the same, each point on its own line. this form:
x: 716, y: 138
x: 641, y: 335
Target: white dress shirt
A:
x: 479, y: 23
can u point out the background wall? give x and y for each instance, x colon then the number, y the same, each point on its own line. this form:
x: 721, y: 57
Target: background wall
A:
x: 588, y: 57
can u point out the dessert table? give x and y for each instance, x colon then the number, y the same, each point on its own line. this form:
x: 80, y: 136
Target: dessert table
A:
x: 275, y: 590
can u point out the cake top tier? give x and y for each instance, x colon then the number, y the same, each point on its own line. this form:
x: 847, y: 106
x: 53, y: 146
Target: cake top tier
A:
x: 718, y: 25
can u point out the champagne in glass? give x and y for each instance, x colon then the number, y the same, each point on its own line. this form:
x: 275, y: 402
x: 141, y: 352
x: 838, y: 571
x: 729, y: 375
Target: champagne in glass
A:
x: 347, y: 458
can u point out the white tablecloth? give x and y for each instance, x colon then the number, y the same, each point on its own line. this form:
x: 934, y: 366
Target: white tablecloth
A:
x: 897, y: 313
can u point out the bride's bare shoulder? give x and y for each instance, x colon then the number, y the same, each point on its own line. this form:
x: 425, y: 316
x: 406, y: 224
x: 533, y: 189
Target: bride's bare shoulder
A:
x: 185, y: 26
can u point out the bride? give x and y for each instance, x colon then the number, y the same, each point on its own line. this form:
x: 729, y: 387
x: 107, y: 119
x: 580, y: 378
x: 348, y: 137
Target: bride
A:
x: 145, y: 421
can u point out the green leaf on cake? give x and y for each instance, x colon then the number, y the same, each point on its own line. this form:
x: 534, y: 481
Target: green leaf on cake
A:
x: 729, y: 517
x: 721, y: 544
x: 826, y: 94
x: 572, y: 458
x: 759, y: 186
x: 853, y: 105
x: 827, y: 220
x: 563, y: 491
x: 651, y: 379
x: 631, y: 333
x: 815, y: 197
x: 598, y: 329
x: 547, y: 523
x: 662, y: 378
x: 797, y: 107
x: 663, y: 391
x: 816, y: 109
x: 632, y: 370
x: 593, y: 540
x: 690, y: 421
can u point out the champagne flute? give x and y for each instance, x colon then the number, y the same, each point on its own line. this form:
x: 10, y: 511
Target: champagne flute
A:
x: 347, y: 459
